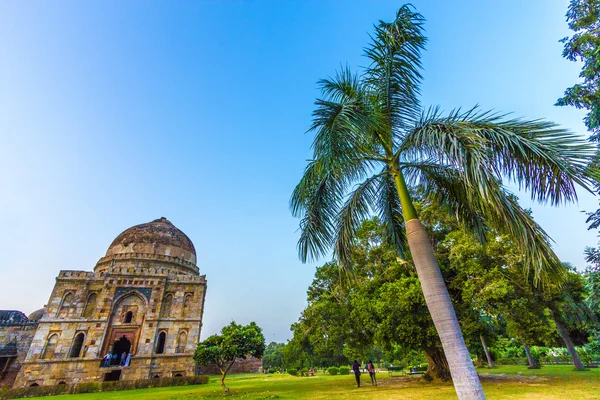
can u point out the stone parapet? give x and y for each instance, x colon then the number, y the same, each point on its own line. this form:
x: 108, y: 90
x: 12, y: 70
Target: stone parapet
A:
x: 105, y: 263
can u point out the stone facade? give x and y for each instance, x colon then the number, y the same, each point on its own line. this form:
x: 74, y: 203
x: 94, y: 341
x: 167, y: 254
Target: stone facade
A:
x: 241, y: 366
x: 145, y: 297
x: 16, y: 334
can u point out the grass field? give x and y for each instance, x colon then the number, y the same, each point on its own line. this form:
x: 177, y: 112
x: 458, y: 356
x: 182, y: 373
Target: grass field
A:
x: 512, y: 382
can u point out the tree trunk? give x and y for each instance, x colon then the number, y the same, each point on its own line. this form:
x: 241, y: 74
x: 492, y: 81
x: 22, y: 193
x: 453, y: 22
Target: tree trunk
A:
x: 487, y: 352
x: 532, y: 362
x: 465, y: 378
x: 564, y: 334
x: 437, y: 365
x: 223, y: 375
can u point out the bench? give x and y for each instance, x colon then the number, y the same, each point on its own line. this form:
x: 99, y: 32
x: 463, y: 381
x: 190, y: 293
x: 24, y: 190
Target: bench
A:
x: 415, y: 372
x: 392, y: 369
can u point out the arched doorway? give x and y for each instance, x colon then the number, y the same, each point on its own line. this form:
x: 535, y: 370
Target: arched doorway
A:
x: 127, y: 317
x: 120, y: 346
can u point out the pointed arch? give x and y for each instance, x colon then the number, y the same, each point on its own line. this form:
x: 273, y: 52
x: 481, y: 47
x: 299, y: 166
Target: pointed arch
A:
x: 50, y: 347
x: 167, y: 304
x: 90, y: 305
x: 187, y: 304
x: 128, y: 299
x: 160, y: 342
x: 77, y: 345
x: 65, y: 304
x: 181, y: 342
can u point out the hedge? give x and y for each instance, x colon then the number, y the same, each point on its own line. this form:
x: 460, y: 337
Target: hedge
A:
x: 344, y: 370
x: 91, y: 387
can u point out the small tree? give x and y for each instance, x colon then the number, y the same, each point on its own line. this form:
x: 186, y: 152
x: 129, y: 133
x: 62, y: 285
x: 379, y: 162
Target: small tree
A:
x: 234, y: 342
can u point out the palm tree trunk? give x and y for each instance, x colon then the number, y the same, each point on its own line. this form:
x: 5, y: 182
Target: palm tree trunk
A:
x: 532, y: 363
x: 564, y: 334
x: 487, y: 352
x: 465, y: 378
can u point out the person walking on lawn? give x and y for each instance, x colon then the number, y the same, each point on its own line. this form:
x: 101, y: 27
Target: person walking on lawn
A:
x: 356, y: 369
x: 371, y: 369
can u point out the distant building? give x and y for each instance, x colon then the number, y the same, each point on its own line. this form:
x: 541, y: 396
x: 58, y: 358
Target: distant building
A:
x: 144, y: 297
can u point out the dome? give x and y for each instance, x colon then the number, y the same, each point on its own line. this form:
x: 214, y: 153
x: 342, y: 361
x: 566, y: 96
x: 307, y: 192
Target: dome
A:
x: 159, y: 237
x: 36, y: 315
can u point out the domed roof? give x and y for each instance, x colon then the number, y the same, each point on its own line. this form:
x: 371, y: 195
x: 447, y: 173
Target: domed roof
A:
x: 159, y: 237
x: 36, y: 315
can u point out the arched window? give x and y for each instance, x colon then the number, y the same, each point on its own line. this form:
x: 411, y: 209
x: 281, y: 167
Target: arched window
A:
x: 50, y: 347
x: 77, y: 345
x: 128, y: 317
x: 160, y: 343
x: 187, y: 302
x: 65, y: 304
x: 34, y: 384
x: 181, y: 342
x: 90, y: 305
x: 62, y: 383
x: 166, y: 306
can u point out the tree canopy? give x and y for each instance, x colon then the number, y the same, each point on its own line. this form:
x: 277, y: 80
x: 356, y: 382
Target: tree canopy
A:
x: 234, y: 342
x: 583, y: 18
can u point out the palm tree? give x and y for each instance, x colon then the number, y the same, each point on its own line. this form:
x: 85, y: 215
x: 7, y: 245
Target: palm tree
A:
x: 373, y: 141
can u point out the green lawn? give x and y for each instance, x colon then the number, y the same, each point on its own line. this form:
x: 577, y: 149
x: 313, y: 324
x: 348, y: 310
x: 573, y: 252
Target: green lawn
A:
x: 512, y: 382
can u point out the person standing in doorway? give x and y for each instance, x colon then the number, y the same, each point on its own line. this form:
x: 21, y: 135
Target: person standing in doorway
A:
x: 371, y: 369
x: 123, y: 358
x: 128, y: 360
x: 356, y: 369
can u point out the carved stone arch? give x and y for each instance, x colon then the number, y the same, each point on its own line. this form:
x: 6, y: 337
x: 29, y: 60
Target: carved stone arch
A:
x: 50, y: 346
x: 181, y: 341
x: 77, y: 345
x: 167, y: 305
x: 90, y: 305
x: 161, y: 340
x: 65, y: 304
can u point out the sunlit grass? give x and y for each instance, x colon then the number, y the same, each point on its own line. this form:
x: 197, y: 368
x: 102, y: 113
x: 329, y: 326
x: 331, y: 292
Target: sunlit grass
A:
x: 511, y: 382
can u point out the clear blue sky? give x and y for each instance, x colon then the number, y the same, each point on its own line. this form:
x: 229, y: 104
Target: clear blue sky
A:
x: 117, y: 113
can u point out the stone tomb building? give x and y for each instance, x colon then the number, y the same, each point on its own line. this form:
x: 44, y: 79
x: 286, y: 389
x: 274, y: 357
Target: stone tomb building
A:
x: 144, y: 297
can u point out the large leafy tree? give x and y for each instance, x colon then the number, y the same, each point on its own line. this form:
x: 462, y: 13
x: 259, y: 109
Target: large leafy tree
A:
x: 584, y: 46
x: 373, y: 140
x: 235, y: 342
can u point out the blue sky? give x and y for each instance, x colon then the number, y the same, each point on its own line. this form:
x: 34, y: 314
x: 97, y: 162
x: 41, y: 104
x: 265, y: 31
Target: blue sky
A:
x: 117, y: 113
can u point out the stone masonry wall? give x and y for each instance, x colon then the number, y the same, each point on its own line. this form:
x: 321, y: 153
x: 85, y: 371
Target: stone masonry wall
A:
x: 130, y: 285
x: 21, y: 335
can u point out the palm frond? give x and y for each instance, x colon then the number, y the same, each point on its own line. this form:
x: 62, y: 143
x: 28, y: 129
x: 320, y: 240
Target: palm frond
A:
x: 390, y: 213
x: 356, y: 210
x: 537, y: 155
x: 316, y: 200
x: 498, y: 209
x: 443, y: 185
x: 394, y: 73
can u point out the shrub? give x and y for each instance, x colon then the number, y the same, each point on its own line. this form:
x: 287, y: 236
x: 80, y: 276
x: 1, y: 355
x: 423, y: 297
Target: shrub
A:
x: 304, y: 372
x: 87, y: 387
x: 344, y: 370
x: 91, y: 387
x: 333, y: 370
x: 292, y: 371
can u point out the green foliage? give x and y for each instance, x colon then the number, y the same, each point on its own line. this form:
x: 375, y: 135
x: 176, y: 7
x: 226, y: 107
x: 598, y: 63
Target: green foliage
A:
x: 234, y: 342
x: 93, y: 387
x: 333, y: 370
x: 292, y: 371
x: 344, y: 370
x: 273, y: 356
x: 584, y: 46
x: 304, y: 372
